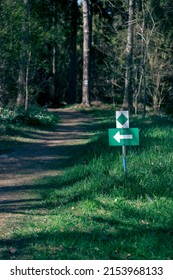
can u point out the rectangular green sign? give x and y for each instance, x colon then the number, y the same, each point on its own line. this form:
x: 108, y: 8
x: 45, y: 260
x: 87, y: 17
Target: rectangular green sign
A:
x: 123, y: 136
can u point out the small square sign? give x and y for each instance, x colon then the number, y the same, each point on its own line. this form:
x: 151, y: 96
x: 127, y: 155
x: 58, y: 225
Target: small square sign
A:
x: 122, y: 119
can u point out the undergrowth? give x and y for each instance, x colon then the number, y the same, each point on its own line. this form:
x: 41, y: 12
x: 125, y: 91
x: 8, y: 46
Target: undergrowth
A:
x: 33, y: 116
x: 92, y: 211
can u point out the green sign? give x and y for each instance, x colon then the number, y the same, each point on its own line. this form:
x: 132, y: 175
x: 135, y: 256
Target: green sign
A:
x: 122, y: 119
x: 123, y: 136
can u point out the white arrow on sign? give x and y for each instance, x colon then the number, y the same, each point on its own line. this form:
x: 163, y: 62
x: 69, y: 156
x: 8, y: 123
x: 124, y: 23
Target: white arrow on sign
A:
x: 118, y: 137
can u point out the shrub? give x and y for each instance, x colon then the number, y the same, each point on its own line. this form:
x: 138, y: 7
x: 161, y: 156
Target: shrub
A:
x: 33, y: 116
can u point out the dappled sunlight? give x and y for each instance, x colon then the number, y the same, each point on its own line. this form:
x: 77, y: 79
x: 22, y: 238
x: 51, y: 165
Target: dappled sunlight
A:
x: 42, y: 149
x: 28, y: 177
x: 73, y: 195
x: 37, y: 155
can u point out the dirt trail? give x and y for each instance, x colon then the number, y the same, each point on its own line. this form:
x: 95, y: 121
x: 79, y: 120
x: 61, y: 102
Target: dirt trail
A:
x: 39, y: 157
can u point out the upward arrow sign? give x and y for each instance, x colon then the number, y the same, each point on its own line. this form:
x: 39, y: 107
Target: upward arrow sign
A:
x: 118, y: 137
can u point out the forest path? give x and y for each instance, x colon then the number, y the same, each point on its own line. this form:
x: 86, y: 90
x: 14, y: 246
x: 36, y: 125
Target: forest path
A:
x: 44, y: 154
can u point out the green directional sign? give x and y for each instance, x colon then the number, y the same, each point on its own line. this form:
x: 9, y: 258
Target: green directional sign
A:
x: 123, y: 136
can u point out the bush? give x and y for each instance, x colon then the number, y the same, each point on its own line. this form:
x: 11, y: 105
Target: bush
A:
x: 33, y: 116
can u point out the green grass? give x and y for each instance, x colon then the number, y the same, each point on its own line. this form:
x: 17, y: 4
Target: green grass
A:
x: 93, y: 211
x: 33, y: 116
x: 17, y: 125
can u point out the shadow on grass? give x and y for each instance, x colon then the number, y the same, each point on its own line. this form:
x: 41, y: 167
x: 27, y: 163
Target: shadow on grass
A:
x: 20, y: 206
x: 82, y: 155
x: 73, y: 192
x: 124, y: 241
x: 111, y: 238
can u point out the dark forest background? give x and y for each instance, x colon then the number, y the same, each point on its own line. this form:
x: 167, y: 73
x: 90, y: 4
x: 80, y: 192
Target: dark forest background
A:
x: 55, y: 52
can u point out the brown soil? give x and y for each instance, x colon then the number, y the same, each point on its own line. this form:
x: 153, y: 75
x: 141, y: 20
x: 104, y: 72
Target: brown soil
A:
x: 44, y: 154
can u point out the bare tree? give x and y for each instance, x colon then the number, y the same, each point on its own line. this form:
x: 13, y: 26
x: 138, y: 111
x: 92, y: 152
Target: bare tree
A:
x: 128, y: 94
x: 146, y: 35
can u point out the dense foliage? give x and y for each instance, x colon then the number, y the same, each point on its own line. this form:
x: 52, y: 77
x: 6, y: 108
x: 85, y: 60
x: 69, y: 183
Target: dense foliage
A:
x: 33, y: 116
x: 41, y: 52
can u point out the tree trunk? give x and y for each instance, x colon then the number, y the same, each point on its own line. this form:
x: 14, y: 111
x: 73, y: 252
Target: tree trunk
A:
x: 23, y: 75
x: 144, y: 58
x: 1, y: 96
x: 128, y: 94
x: 86, y: 54
x: 27, y: 82
x: 71, y: 98
x: 53, y: 80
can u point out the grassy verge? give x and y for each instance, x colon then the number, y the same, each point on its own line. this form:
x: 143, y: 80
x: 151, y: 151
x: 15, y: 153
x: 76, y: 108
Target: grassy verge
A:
x: 33, y: 116
x: 19, y: 123
x: 93, y: 211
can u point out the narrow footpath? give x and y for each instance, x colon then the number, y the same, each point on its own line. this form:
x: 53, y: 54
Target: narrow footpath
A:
x: 44, y: 154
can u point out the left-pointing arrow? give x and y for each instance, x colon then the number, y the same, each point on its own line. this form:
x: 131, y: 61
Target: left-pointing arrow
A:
x: 118, y: 137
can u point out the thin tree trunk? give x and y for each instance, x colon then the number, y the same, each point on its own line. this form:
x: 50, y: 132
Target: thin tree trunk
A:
x: 1, y: 96
x: 71, y: 98
x: 144, y: 59
x: 86, y: 53
x: 27, y: 82
x: 128, y: 94
x: 53, y: 81
x: 53, y: 78
x: 138, y: 94
x: 20, y: 96
x: 54, y: 60
x: 23, y: 56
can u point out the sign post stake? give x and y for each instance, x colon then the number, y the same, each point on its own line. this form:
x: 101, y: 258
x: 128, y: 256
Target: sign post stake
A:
x: 122, y: 135
x: 124, y: 159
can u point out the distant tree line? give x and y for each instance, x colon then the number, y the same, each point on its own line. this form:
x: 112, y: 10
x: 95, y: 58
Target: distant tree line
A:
x: 68, y: 51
